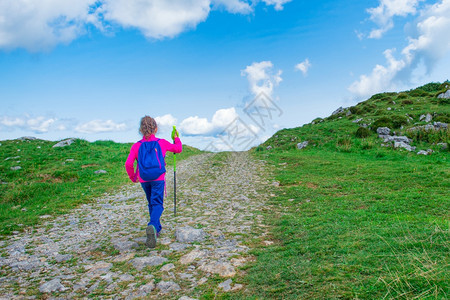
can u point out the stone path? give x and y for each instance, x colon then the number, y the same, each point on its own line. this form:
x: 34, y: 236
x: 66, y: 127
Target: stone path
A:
x: 98, y: 250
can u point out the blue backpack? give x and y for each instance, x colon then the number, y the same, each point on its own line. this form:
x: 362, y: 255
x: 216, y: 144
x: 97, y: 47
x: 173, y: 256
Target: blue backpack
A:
x: 151, y: 163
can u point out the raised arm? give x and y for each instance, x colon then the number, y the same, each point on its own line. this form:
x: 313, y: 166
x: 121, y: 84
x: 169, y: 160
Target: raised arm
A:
x: 176, y: 147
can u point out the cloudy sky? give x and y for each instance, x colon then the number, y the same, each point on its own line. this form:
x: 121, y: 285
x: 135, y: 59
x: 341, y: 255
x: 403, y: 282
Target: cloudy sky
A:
x: 93, y: 68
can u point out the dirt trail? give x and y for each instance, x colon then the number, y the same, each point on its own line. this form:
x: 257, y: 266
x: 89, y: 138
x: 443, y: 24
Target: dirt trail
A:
x: 98, y: 249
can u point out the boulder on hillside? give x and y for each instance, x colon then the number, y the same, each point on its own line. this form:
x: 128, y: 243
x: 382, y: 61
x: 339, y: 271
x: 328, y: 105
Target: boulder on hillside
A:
x: 445, y: 95
x: 27, y: 138
x: 404, y: 145
x: 64, y: 143
x: 383, y: 131
x: 338, y: 111
x: 302, y: 145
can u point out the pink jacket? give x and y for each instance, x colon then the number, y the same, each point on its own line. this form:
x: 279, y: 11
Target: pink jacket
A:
x: 177, y: 147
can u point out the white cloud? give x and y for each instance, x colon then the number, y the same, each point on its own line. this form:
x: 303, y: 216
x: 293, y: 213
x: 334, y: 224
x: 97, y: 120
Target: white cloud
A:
x: 11, y: 122
x: 431, y: 45
x: 37, y: 25
x: 303, y: 66
x: 383, y: 14
x: 40, y: 124
x: 201, y: 126
x: 233, y: 6
x: 277, y: 3
x: 97, y: 126
x: 165, y: 122
x: 157, y: 18
x: 261, y: 78
x: 40, y: 25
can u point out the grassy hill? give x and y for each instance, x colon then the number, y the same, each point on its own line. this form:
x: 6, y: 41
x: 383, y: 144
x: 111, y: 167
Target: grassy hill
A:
x: 53, y: 180
x: 354, y: 217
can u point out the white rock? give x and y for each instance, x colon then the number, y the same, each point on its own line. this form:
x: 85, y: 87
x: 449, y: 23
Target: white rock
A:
x: 52, y: 286
x: 224, y: 269
x: 189, y: 235
x: 167, y: 287
x: 64, y: 143
x: 192, y: 256
x: 141, y: 262
x: 226, y: 285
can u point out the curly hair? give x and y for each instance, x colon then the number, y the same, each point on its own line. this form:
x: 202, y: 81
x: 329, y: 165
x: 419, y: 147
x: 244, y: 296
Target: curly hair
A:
x: 148, y: 126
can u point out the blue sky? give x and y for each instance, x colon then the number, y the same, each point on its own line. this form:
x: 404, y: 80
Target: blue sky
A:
x: 92, y: 69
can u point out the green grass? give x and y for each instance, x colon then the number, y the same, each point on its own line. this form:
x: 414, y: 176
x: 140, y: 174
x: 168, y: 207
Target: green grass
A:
x: 54, y: 180
x: 353, y: 219
x: 359, y: 226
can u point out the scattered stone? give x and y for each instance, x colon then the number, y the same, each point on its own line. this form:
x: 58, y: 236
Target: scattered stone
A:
x: 357, y: 120
x: 14, y: 157
x: 383, y: 131
x: 338, y: 111
x: 226, y: 285
x: 124, y: 246
x: 389, y: 108
x: 100, y: 172
x: 124, y: 257
x: 395, y: 138
x: 16, y: 168
x: 224, y: 269
x: 440, y: 125
x: 64, y: 143
x: 126, y: 277
x: 428, y: 118
x: 70, y: 159
x: 444, y: 146
x: 63, y: 257
x: 147, y: 288
x: 141, y: 262
x: 422, y: 152
x: 52, y: 286
x: 269, y: 147
x: 192, y: 256
x: 435, y: 126
x: 189, y: 235
x: 27, y: 138
x: 167, y: 287
x: 187, y: 298
x: 404, y: 145
x: 98, y: 269
x: 178, y: 246
x: 302, y: 145
x: 445, y: 95
x: 348, y: 113
x: 276, y: 183
x: 167, y: 268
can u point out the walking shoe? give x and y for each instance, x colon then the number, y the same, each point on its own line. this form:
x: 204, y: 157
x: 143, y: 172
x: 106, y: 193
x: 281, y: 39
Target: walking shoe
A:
x: 151, y: 236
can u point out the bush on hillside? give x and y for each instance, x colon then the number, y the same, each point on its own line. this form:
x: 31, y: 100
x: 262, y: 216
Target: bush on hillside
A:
x: 356, y: 110
x: 362, y: 132
x: 398, y: 121
x: 430, y: 136
x: 369, y: 107
x: 418, y: 93
x: 382, y: 122
x: 402, y: 96
x: 431, y: 87
x: 444, y: 118
x: 407, y: 102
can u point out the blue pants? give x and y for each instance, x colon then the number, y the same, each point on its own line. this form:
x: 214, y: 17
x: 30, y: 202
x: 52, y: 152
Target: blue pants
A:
x: 154, y: 190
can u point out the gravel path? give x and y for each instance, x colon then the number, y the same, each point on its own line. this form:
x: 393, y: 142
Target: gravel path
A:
x: 98, y: 250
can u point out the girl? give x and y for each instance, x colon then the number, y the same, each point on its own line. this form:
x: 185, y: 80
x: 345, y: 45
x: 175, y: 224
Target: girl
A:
x: 154, y: 189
